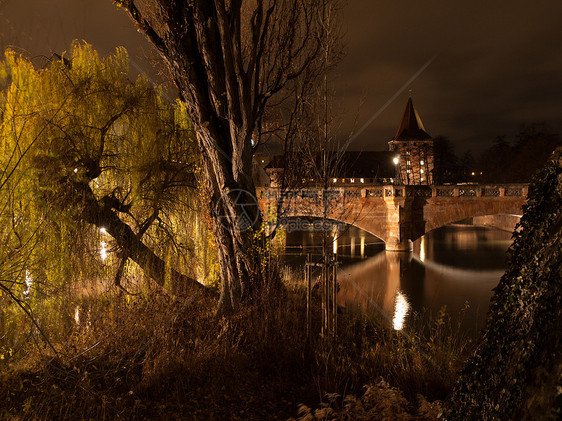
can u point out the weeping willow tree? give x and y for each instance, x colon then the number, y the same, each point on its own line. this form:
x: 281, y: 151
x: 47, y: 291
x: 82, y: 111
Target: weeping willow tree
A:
x: 96, y: 172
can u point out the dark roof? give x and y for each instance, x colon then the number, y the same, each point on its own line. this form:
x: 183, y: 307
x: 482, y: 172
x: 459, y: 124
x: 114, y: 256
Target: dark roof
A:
x: 355, y: 164
x: 278, y: 161
x: 411, y: 126
x: 367, y: 164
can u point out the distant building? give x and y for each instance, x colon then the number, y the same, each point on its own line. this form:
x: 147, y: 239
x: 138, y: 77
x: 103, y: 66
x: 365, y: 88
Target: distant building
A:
x: 259, y: 174
x: 409, y: 160
x: 365, y: 167
x: 352, y: 167
x: 413, y: 149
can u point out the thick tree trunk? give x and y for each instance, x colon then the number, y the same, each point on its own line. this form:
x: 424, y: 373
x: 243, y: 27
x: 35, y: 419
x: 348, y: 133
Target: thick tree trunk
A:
x: 240, y: 268
x: 237, y: 224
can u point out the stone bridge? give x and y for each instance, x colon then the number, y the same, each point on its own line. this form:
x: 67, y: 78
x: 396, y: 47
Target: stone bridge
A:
x: 398, y: 214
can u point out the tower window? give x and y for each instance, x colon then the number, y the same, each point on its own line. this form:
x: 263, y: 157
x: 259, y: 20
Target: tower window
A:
x: 421, y: 171
x: 421, y: 162
x: 408, y: 162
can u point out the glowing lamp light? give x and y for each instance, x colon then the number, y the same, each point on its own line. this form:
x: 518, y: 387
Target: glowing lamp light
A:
x: 352, y: 180
x: 396, y: 160
x: 421, y: 171
x: 103, y: 251
x: 362, y: 180
x: 421, y: 162
x: 103, y: 230
x: 28, y: 283
x: 335, y: 180
x: 472, y: 173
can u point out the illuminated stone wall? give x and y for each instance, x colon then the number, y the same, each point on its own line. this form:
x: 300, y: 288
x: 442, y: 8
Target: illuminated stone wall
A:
x: 416, y: 162
x: 397, y: 215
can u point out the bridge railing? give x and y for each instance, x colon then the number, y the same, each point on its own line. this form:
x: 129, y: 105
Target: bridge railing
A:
x: 389, y: 190
x: 332, y: 193
x: 480, y: 190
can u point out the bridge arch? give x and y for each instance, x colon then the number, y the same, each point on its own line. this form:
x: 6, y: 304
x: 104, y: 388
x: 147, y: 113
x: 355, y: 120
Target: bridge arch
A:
x: 291, y: 219
x: 437, y: 218
x: 398, y: 214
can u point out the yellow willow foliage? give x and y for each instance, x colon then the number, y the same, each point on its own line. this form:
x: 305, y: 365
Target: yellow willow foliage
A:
x: 82, y: 118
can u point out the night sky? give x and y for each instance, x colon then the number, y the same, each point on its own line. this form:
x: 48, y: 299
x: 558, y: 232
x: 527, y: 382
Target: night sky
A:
x: 497, y: 65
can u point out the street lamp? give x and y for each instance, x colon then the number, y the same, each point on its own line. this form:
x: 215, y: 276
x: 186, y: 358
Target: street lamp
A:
x: 396, y: 160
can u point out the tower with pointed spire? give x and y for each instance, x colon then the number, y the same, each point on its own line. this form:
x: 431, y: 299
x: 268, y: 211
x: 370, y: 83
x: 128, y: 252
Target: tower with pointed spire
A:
x: 413, y: 148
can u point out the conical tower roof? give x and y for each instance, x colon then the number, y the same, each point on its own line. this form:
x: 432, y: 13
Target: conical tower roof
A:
x: 411, y: 126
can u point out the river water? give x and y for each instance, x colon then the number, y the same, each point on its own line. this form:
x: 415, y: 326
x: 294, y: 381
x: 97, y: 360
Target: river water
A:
x: 453, y: 268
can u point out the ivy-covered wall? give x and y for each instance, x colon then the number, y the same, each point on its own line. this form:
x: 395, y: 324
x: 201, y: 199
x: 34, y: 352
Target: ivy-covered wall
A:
x: 516, y: 370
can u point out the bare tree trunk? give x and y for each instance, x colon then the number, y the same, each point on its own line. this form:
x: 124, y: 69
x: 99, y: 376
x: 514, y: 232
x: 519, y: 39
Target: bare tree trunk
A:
x: 236, y: 219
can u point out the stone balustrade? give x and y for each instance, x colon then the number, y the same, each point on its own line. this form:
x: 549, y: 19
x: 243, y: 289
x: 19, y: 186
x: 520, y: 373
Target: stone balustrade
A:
x: 385, y: 190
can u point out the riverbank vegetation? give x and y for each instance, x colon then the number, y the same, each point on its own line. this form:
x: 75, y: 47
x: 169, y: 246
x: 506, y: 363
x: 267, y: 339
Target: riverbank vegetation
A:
x: 155, y: 357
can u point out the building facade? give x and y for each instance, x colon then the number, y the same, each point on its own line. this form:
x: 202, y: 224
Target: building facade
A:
x: 412, y: 147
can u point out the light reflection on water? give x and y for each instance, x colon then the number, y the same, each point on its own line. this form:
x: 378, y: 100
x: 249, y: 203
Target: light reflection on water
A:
x: 400, y: 311
x: 449, y: 267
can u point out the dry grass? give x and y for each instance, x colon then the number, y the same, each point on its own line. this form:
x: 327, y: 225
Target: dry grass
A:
x: 151, y: 357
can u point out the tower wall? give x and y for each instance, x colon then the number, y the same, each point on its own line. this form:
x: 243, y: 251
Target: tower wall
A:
x: 416, y: 161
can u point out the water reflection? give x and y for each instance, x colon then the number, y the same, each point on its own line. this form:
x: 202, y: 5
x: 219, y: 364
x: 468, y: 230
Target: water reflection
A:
x: 449, y: 267
x: 375, y: 285
x: 400, y: 311
x: 362, y: 247
x: 341, y: 241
